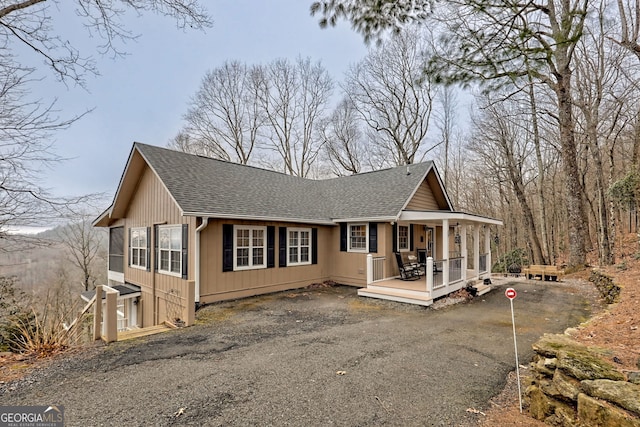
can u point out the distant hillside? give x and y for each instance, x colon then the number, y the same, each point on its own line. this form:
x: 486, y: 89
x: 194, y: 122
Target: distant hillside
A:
x: 43, y: 260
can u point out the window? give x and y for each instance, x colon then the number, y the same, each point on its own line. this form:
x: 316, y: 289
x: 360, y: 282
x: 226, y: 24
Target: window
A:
x: 250, y: 247
x: 358, y: 238
x: 170, y: 249
x: 138, y: 244
x: 299, y: 246
x: 403, y: 238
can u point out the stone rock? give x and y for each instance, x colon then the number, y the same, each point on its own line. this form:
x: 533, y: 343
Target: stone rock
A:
x: 540, y: 406
x: 542, y: 366
x: 593, y: 412
x: 634, y: 377
x: 566, y: 386
x: 563, y: 415
x: 586, y: 365
x: 550, y: 344
x: 622, y: 393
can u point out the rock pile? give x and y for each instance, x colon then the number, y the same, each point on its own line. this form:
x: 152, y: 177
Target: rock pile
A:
x: 572, y: 385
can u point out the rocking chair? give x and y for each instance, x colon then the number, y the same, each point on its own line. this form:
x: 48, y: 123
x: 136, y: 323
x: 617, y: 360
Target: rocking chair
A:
x: 408, y: 271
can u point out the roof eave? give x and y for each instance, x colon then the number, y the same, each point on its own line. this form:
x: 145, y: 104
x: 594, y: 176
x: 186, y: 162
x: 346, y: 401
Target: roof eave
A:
x: 260, y: 218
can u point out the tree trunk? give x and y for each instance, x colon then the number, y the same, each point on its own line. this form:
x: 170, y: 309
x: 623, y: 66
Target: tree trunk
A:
x: 545, y: 253
x: 574, y: 190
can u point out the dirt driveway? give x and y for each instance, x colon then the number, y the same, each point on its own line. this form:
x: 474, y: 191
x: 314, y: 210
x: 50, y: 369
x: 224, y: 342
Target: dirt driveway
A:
x: 309, y: 357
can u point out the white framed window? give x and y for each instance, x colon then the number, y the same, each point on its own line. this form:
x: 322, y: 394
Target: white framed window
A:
x: 299, y: 247
x: 358, y: 237
x: 170, y: 249
x: 138, y: 244
x: 249, y: 247
x: 403, y: 238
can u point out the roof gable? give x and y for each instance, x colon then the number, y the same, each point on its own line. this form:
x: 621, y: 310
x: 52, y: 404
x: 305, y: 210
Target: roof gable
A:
x: 203, y: 186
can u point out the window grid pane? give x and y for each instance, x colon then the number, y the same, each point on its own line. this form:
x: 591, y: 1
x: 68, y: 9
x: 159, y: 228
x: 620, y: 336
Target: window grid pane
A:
x: 170, y: 249
x: 403, y: 237
x: 250, y: 247
x: 358, y: 237
x: 138, y: 253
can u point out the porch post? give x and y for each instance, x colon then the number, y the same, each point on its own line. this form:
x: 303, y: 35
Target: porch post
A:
x: 487, y: 248
x: 476, y: 250
x: 429, y: 274
x: 369, y: 269
x: 111, y: 317
x: 463, y: 251
x: 445, y: 252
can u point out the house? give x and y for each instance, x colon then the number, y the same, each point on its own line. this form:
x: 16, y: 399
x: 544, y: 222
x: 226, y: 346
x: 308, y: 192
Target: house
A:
x: 186, y: 230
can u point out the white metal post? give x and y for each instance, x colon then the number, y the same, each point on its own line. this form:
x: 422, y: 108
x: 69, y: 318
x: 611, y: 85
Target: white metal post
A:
x: 515, y: 345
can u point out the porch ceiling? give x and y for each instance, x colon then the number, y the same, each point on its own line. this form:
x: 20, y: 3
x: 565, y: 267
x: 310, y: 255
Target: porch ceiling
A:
x: 432, y: 216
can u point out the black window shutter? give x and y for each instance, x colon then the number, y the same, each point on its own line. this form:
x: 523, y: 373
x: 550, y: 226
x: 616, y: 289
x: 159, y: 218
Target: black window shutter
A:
x: 227, y: 247
x: 129, y: 250
x: 271, y: 246
x: 314, y: 246
x: 156, y: 255
x: 148, y: 248
x: 373, y: 237
x: 343, y: 237
x: 411, y: 237
x: 282, y: 247
x: 395, y: 237
x: 185, y: 250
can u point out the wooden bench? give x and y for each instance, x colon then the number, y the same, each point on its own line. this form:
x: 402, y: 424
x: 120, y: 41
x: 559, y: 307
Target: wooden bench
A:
x: 545, y: 272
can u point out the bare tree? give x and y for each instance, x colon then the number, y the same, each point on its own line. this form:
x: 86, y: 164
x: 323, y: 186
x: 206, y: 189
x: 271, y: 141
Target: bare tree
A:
x: 393, y: 97
x: 293, y: 97
x: 223, y: 118
x: 342, y: 140
x: 445, y: 118
x: 28, y: 123
x: 488, y: 41
x: 502, y: 141
x: 85, y: 245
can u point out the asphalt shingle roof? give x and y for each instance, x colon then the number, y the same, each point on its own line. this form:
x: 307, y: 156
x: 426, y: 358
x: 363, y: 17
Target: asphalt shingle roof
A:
x: 202, y: 185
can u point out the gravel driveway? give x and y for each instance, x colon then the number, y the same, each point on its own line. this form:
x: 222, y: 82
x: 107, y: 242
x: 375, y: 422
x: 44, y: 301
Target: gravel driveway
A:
x: 310, y: 357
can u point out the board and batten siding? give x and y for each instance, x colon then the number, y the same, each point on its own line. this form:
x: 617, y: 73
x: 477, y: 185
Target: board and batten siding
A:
x: 216, y: 285
x: 151, y: 205
x: 350, y: 268
x: 423, y: 199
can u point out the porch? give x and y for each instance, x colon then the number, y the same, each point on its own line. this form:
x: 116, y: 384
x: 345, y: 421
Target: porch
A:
x: 424, y: 290
x: 450, y: 256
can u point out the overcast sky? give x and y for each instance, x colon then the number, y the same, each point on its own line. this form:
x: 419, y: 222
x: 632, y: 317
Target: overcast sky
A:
x: 143, y: 96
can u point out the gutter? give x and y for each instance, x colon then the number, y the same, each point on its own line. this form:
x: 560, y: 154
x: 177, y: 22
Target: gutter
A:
x: 205, y: 222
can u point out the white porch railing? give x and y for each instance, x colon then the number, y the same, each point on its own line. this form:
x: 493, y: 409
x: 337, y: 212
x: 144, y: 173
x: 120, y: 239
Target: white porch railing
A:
x: 378, y: 268
x: 438, y: 277
x: 483, y: 263
x: 455, y: 270
x: 375, y: 268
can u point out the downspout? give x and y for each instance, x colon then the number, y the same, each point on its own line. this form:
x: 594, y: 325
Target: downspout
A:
x: 205, y: 222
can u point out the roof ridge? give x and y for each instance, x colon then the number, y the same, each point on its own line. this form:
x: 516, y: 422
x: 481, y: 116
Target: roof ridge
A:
x: 227, y: 162
x: 320, y: 180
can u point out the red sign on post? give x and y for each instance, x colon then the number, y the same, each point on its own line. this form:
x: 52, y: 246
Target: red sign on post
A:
x: 510, y: 293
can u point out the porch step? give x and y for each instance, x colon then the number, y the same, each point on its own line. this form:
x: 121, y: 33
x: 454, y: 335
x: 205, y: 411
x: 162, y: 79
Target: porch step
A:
x: 398, y: 295
x: 482, y: 289
x: 406, y: 292
x: 142, y: 332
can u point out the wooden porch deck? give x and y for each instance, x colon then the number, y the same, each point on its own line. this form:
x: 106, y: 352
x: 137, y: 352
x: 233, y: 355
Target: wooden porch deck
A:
x: 414, y: 291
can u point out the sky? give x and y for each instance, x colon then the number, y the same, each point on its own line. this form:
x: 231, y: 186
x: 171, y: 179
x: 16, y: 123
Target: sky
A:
x: 142, y: 97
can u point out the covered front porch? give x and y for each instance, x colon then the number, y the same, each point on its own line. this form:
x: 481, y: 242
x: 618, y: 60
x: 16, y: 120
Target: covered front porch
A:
x: 453, y: 250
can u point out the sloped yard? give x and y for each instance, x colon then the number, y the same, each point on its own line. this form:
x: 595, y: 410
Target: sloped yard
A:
x: 310, y: 357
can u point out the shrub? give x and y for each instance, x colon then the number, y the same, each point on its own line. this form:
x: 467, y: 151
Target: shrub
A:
x: 517, y: 257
